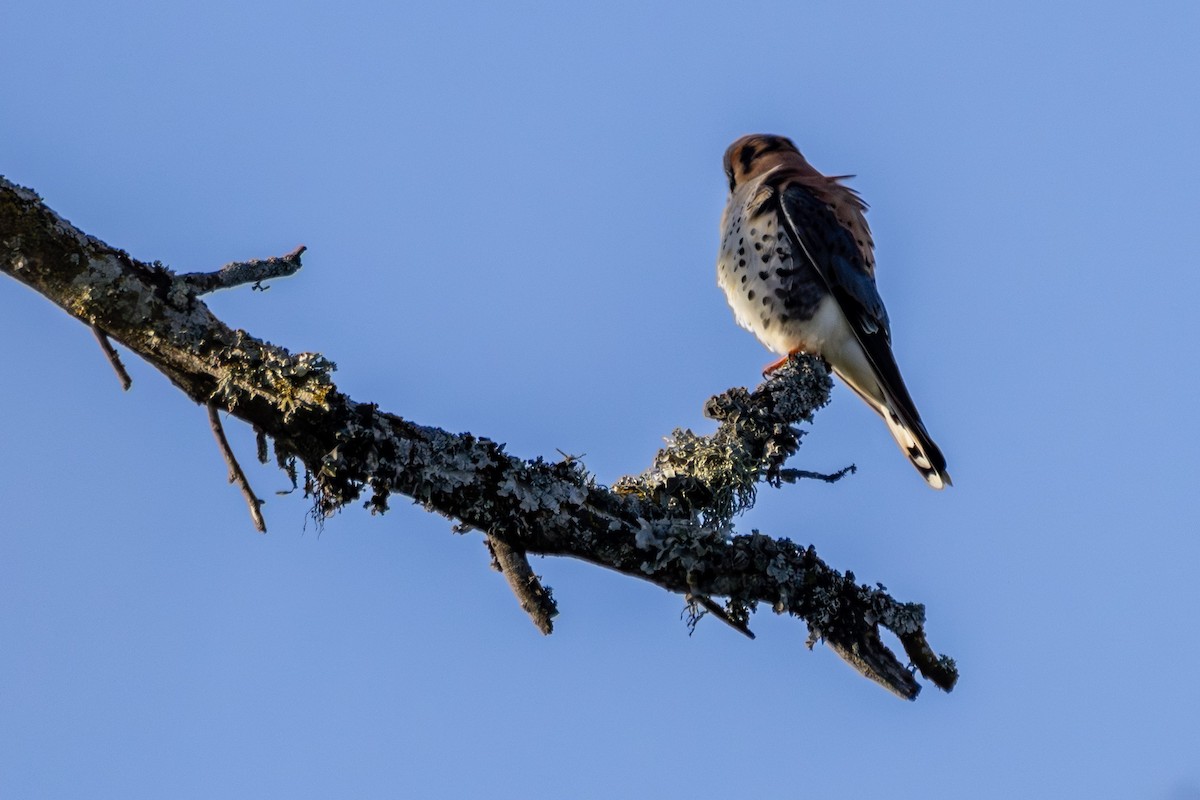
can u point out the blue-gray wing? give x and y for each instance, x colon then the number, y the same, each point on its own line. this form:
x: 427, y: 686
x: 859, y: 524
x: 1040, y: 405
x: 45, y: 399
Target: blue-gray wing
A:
x: 830, y: 248
x: 837, y: 259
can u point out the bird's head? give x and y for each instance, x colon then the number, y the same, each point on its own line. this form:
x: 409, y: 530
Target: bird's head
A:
x: 751, y: 156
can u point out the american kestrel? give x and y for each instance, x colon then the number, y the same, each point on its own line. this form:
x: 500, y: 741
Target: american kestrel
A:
x: 798, y: 267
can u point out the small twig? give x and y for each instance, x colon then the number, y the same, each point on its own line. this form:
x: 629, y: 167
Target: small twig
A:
x: 715, y: 609
x: 535, y: 599
x: 794, y: 475
x: 235, y: 470
x: 113, y: 358
x: 241, y: 272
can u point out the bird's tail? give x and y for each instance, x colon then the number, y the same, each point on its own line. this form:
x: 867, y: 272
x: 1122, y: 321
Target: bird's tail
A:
x: 909, y: 432
x: 898, y: 411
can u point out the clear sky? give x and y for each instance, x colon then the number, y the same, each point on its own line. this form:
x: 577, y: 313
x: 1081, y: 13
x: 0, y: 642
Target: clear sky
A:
x: 511, y: 212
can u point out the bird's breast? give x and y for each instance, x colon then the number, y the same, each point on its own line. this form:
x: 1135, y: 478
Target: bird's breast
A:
x: 773, y: 293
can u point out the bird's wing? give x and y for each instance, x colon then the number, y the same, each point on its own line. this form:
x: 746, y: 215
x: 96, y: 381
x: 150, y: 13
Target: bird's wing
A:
x: 832, y: 251
x: 835, y: 255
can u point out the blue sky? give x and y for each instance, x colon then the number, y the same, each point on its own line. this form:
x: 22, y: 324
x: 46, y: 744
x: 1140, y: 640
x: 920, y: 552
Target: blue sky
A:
x: 511, y: 213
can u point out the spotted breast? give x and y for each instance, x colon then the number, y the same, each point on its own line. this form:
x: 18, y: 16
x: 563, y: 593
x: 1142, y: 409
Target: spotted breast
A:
x: 773, y: 294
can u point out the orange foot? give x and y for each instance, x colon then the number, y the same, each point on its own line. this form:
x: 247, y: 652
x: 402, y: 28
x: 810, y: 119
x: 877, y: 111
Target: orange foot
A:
x: 774, y: 365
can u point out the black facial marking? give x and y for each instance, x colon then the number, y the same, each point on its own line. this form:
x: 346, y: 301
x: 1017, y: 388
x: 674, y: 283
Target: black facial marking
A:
x: 747, y: 155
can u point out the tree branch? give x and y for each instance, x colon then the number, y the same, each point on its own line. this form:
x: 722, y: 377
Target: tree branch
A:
x: 670, y: 526
x: 254, y: 271
x: 535, y: 599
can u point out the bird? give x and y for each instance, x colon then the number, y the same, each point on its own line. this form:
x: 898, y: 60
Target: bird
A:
x: 797, y: 266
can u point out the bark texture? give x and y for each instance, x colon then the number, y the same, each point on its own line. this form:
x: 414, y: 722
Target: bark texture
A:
x: 671, y: 526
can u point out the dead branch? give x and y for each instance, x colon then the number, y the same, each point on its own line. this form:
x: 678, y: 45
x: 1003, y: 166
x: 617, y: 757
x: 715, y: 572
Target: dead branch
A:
x: 670, y: 526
